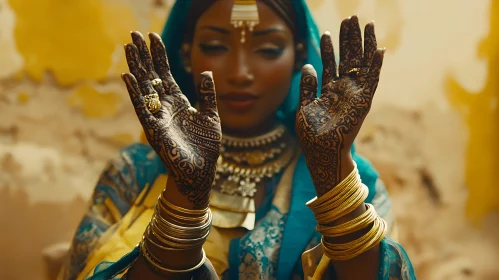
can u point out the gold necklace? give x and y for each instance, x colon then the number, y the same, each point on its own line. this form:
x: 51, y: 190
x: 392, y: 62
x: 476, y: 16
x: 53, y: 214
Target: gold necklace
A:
x: 268, y: 138
x: 245, y: 163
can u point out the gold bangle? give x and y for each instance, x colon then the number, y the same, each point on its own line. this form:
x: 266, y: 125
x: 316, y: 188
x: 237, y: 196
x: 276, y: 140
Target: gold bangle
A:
x: 181, y: 234
x: 354, y: 248
x: 353, y: 176
x: 205, y: 222
x: 369, y: 237
x: 180, y: 240
x: 149, y: 240
x: 182, y: 210
x: 317, y: 204
x: 351, y: 226
x: 335, y: 202
x: 159, y: 269
x: 184, y: 244
x: 346, y: 207
x: 179, y: 231
x: 197, y: 220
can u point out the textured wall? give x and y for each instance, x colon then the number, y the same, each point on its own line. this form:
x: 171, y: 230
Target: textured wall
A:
x: 431, y: 133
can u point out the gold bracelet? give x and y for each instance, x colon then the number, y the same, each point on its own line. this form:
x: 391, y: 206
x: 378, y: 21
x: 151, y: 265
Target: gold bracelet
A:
x: 354, y: 248
x: 182, y: 210
x: 157, y: 267
x: 150, y: 232
x: 180, y: 228
x: 375, y: 231
x: 352, y: 177
x: 199, y: 220
x: 177, y: 240
x: 179, y: 233
x: 349, y: 205
x: 334, y: 203
x: 351, y: 226
x: 176, y: 243
x: 344, y: 189
x: 149, y: 240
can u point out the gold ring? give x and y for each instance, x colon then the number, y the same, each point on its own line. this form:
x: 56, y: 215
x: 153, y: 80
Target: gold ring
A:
x: 156, y: 82
x: 353, y: 70
x: 152, y: 102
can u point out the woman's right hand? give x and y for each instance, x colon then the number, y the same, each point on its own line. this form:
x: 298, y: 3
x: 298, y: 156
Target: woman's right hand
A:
x: 186, y: 140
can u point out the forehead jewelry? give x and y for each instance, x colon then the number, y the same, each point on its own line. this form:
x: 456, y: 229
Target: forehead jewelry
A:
x: 244, y: 15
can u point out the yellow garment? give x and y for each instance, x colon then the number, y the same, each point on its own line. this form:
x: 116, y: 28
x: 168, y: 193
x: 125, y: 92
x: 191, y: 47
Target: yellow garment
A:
x: 125, y: 235
x: 122, y: 237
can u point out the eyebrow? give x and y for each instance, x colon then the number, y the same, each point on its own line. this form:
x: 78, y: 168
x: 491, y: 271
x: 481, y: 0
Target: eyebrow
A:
x: 267, y: 31
x: 255, y: 33
x: 216, y: 29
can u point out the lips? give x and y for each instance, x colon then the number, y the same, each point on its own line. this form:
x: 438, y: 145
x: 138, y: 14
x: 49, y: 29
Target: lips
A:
x: 239, y: 101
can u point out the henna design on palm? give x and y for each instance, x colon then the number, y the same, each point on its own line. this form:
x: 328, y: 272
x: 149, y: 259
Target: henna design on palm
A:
x: 186, y: 140
x: 327, y: 126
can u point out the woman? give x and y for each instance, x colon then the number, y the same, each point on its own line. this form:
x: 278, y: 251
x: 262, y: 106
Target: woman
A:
x: 235, y: 206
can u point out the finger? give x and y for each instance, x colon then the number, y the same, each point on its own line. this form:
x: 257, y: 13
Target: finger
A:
x: 134, y: 63
x: 138, y: 71
x: 374, y: 73
x: 355, y: 43
x: 145, y: 56
x: 137, y: 99
x: 308, y: 85
x: 370, y: 44
x: 344, y: 49
x: 160, y: 59
x: 328, y: 60
x: 207, y: 96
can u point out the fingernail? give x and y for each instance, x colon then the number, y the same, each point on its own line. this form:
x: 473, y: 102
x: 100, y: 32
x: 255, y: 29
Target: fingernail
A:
x: 373, y: 22
x: 327, y: 33
x: 208, y: 73
x: 384, y: 50
x: 308, y: 67
x: 124, y: 46
x: 123, y: 77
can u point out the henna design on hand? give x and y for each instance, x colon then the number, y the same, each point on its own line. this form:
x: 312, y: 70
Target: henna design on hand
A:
x: 186, y: 140
x: 327, y: 126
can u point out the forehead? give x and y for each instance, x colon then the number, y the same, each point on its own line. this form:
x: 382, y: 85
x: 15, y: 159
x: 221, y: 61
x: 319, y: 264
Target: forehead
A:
x: 220, y: 13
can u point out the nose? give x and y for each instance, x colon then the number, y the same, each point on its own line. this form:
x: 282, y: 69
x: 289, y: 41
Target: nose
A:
x: 241, y: 74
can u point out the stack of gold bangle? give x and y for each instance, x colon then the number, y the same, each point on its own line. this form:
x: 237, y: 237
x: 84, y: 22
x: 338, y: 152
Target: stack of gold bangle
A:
x: 174, y: 228
x: 337, y: 203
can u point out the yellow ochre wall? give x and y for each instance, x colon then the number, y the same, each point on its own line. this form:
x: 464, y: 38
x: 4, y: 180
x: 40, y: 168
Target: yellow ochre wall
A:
x: 432, y: 132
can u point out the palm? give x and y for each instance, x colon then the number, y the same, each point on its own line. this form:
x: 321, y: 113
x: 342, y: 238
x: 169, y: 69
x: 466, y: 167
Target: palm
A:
x: 327, y: 126
x: 186, y: 140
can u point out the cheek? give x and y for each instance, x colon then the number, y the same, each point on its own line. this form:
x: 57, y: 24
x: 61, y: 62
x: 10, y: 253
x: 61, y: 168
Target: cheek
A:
x: 201, y: 63
x: 275, y: 76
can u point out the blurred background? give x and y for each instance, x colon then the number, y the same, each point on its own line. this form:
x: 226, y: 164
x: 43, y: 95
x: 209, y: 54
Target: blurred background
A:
x: 432, y: 132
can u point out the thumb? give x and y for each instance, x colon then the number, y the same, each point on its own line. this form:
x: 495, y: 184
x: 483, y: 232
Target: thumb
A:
x: 207, y: 97
x: 308, y: 85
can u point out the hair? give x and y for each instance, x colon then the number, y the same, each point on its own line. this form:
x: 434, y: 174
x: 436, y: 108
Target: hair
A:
x: 283, y: 8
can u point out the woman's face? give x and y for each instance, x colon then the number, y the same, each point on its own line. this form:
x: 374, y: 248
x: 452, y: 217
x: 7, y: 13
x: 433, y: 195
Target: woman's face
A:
x: 252, y: 79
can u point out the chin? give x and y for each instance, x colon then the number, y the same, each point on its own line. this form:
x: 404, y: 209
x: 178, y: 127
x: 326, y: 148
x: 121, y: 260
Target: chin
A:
x: 240, y: 124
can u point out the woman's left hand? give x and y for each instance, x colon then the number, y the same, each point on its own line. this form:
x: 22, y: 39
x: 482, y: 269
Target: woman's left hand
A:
x: 327, y: 126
